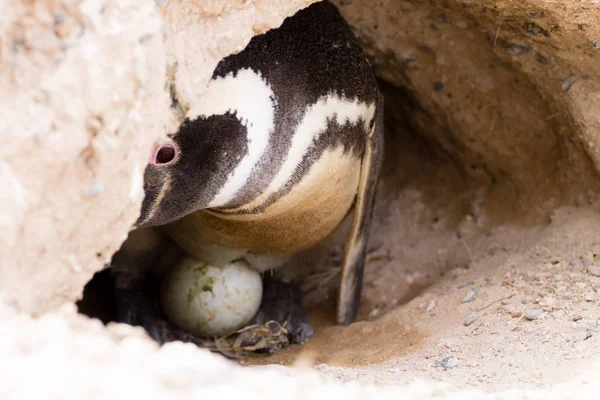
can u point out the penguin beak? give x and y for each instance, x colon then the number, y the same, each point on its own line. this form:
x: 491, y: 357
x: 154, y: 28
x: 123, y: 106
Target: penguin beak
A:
x: 151, y: 194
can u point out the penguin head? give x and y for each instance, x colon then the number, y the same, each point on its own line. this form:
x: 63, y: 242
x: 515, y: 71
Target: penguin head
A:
x: 185, y: 172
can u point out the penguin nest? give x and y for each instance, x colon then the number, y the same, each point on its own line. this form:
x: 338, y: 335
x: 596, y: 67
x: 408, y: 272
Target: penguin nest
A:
x: 489, y: 192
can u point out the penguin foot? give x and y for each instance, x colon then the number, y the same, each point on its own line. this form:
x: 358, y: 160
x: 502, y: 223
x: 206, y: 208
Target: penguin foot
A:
x: 279, y: 322
x: 137, y: 305
x: 281, y: 303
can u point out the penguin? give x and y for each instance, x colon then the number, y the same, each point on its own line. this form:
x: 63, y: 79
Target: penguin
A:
x: 285, y: 143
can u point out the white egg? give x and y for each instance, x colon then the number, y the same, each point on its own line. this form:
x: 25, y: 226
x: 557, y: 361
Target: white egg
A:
x: 207, y: 300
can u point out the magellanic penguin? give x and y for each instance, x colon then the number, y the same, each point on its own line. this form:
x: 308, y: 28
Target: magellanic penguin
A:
x: 285, y: 142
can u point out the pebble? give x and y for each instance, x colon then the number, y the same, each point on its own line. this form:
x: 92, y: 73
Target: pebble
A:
x: 567, y: 296
x: 513, y: 310
x: 431, y: 305
x: 567, y: 83
x: 471, y: 318
x: 469, y: 296
x: 576, y: 317
x: 463, y: 284
x: 59, y: 18
x: 449, y: 362
x: 591, y: 296
x: 406, y: 58
x: 533, y: 314
x: 506, y: 302
x: 578, y: 338
x: 559, y: 278
x: 574, y: 263
x: 591, y: 327
x: 594, y: 271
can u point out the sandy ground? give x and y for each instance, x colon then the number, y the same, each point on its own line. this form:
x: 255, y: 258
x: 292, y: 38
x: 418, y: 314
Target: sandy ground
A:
x: 439, y: 256
x: 488, y: 203
x: 545, y: 273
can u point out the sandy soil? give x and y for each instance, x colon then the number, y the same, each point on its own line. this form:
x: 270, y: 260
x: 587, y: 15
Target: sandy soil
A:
x: 488, y: 203
x: 434, y: 263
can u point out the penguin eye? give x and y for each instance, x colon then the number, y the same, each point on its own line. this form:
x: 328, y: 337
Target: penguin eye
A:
x: 165, y: 154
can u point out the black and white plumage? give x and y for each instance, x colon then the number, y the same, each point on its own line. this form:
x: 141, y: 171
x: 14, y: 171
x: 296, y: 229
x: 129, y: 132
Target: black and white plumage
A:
x: 286, y: 140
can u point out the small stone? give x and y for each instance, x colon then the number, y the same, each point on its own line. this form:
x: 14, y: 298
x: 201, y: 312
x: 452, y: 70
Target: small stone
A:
x: 374, y: 313
x: 431, y: 305
x: 594, y: 271
x: 567, y: 83
x: 533, y: 314
x: 438, y: 86
x: 406, y: 58
x: 516, y: 49
x: 74, y: 264
x: 591, y: 296
x: 577, y: 338
x: 471, y: 318
x: 591, y: 327
x: 449, y: 362
x: 463, y: 284
x: 59, y: 18
x: 576, y: 317
x: 506, y: 302
x: 559, y: 278
x: 574, y: 263
x: 513, y: 310
x: 469, y: 296
x: 549, y: 301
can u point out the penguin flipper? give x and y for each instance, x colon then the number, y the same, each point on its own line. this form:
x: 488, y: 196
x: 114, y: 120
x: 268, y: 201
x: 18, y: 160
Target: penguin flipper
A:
x: 353, y: 263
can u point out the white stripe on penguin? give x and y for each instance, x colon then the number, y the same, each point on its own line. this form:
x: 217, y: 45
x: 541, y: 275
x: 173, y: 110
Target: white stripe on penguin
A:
x: 314, y: 123
x: 249, y: 96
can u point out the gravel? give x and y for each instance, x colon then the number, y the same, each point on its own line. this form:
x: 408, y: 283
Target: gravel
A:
x: 533, y: 314
x: 470, y: 296
x: 591, y: 296
x: 449, y: 362
x: 471, y: 318
x: 594, y: 271
x: 463, y: 284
